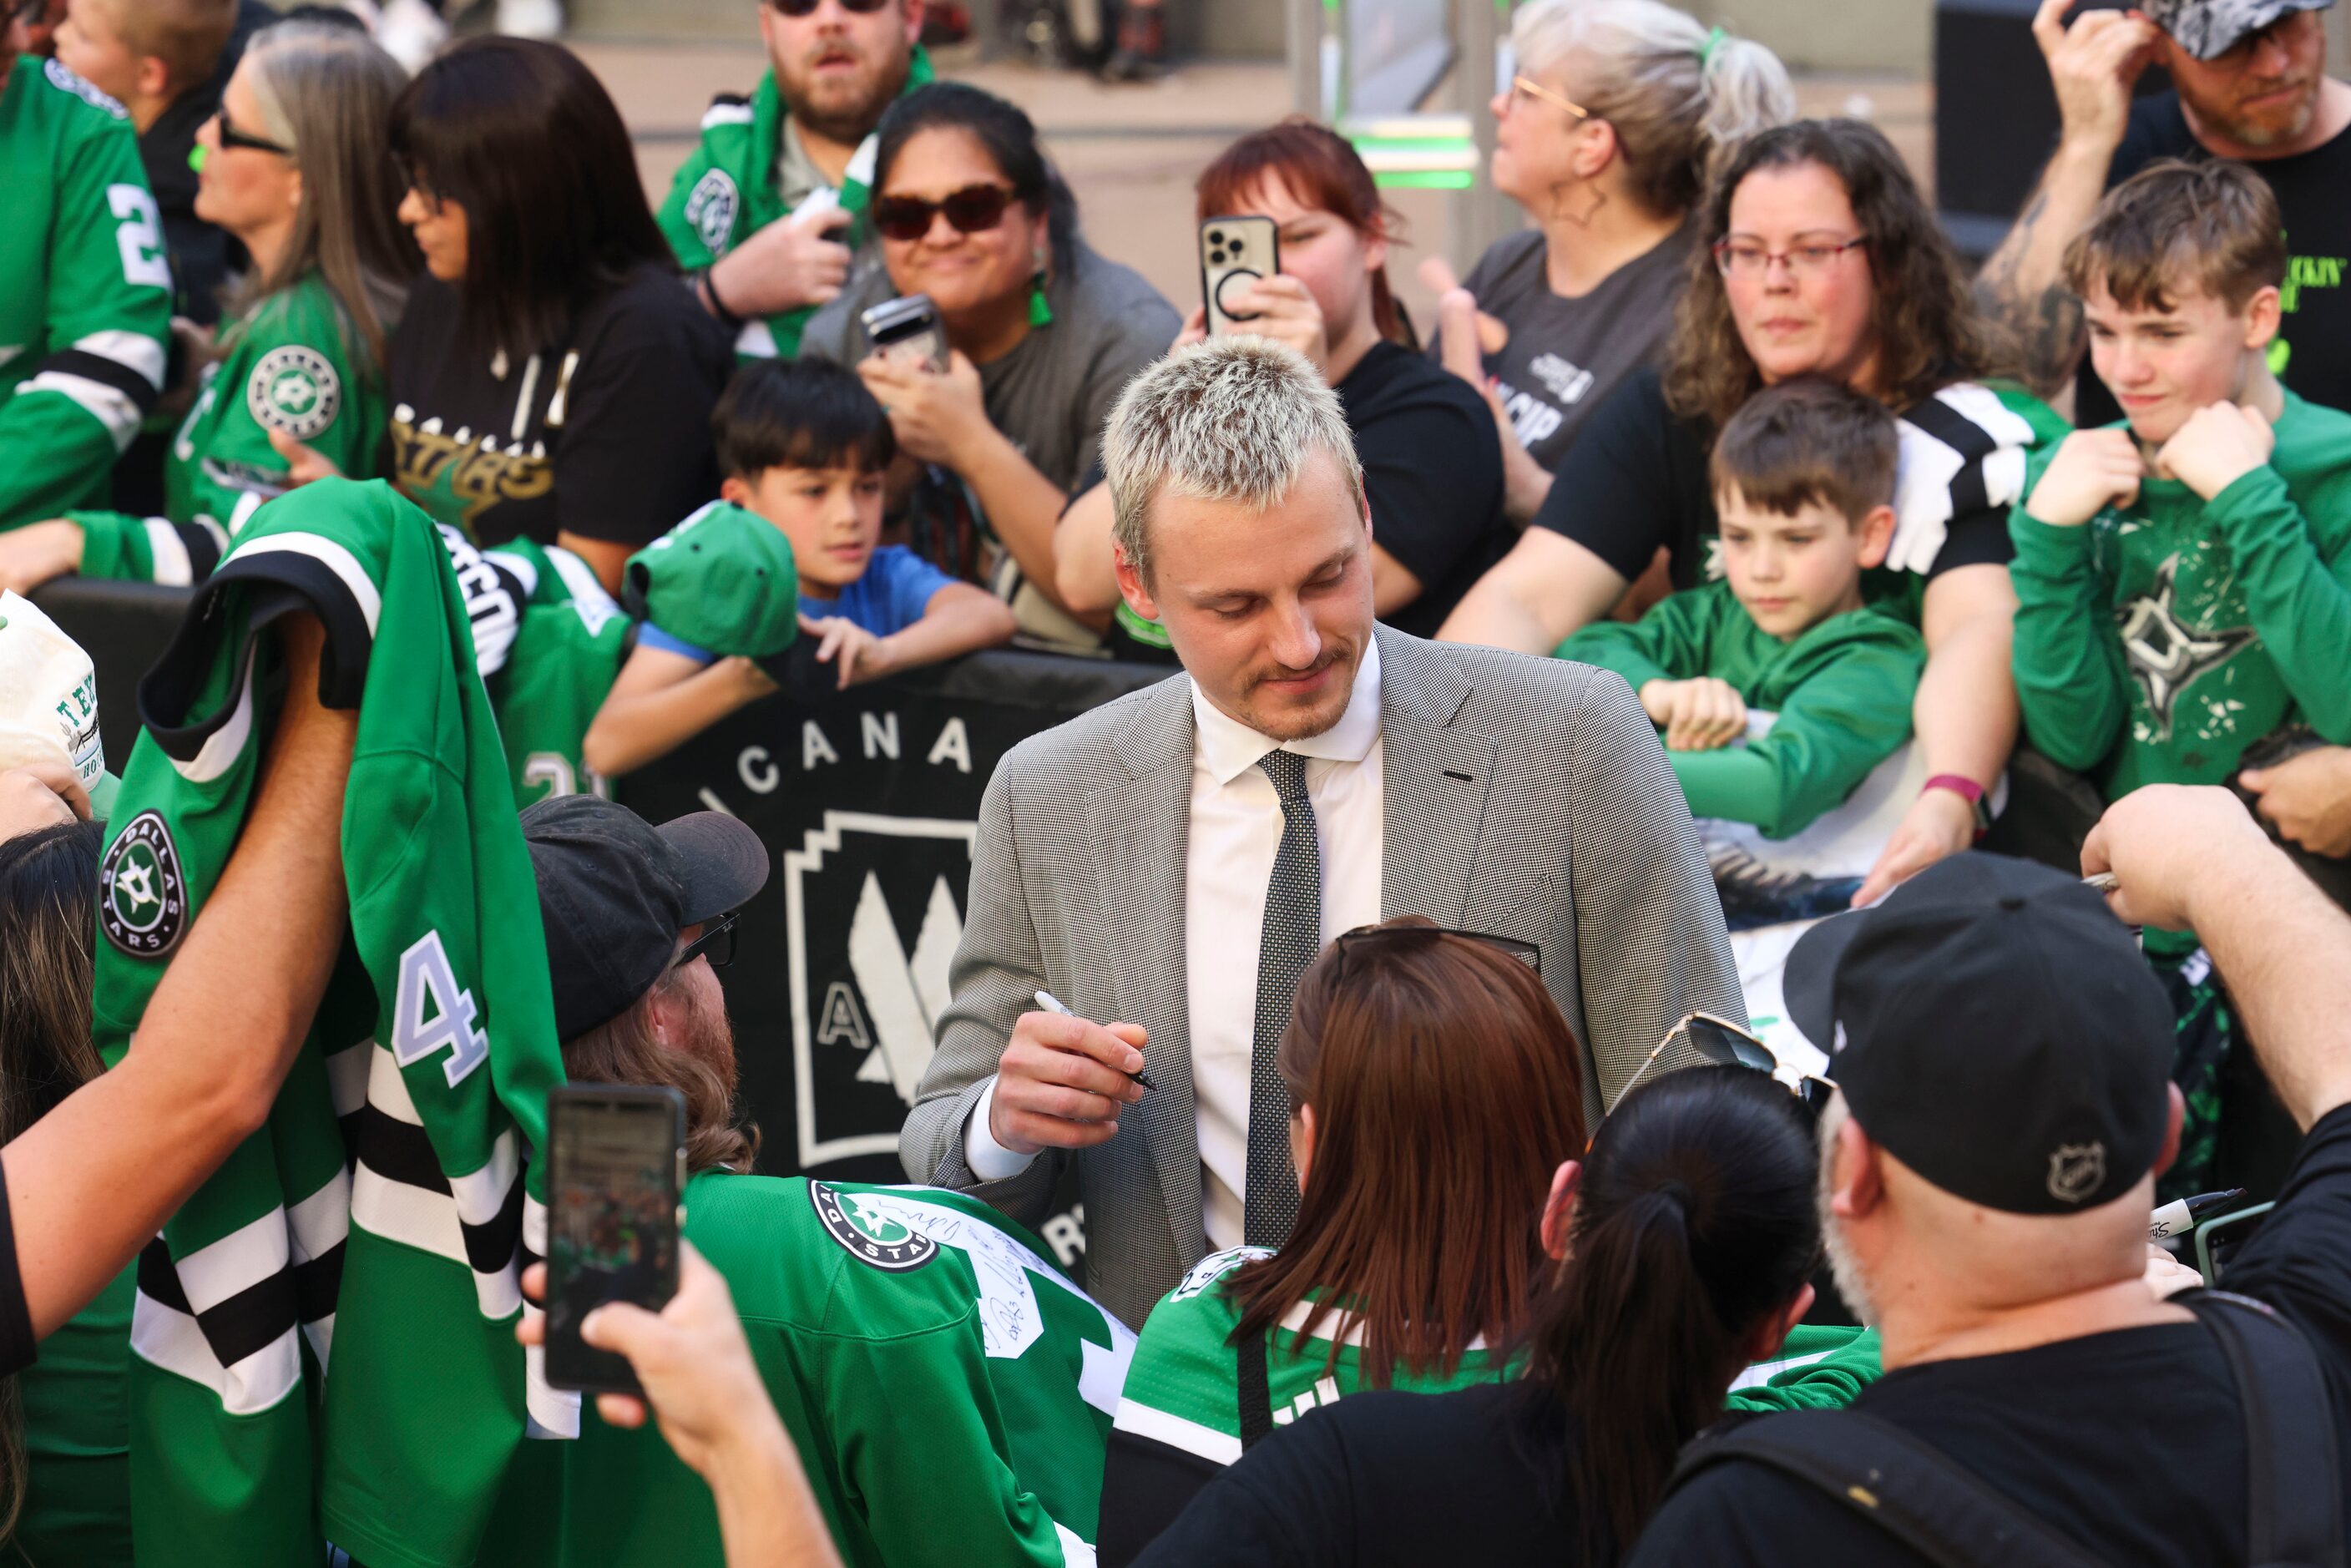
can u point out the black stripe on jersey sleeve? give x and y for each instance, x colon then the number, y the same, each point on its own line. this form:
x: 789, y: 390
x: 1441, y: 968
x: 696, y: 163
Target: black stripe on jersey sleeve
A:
x: 492, y: 1248
x: 253, y: 1320
x: 202, y: 547
x: 1146, y: 1484
x: 1955, y: 430
x: 113, y: 374
x: 342, y: 668
x: 318, y: 1284
x: 402, y: 1152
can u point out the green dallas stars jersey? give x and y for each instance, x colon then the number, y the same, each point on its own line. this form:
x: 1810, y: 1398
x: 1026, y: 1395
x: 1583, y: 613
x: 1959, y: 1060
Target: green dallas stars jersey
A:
x: 293, y: 364
x: 85, y: 291
x: 2157, y: 643
x: 429, y: 1062
x: 948, y: 1388
x: 1183, y: 1390
x: 725, y: 191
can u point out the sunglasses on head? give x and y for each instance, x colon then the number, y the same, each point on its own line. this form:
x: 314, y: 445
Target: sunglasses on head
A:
x: 1367, y: 939
x: 974, y: 209
x: 796, y: 9
x: 1718, y: 1042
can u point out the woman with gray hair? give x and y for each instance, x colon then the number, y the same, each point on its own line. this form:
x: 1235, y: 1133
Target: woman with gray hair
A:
x: 292, y: 166
x: 1607, y: 132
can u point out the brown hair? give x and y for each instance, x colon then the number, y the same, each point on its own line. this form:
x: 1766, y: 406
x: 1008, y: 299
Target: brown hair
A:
x: 48, y: 882
x: 624, y: 1050
x: 1322, y: 169
x: 187, y: 36
x: 1806, y: 442
x: 1923, y: 319
x: 1447, y: 1088
x: 2174, y: 224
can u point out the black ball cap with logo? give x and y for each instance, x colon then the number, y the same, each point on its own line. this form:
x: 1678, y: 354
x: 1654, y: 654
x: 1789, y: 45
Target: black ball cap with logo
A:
x: 1996, y: 1029
x: 614, y: 892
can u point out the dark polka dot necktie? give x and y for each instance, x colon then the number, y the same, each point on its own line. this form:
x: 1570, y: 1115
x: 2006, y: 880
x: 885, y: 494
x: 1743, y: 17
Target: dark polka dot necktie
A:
x: 1293, y: 933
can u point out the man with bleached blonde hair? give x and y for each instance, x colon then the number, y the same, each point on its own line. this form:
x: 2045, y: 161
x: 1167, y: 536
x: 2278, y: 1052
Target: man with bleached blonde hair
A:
x: 1166, y: 864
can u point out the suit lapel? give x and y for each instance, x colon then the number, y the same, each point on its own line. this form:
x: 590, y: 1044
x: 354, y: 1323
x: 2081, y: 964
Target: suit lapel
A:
x: 1435, y: 778
x: 1138, y: 836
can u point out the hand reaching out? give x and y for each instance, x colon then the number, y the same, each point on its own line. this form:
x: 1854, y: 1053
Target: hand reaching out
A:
x: 1700, y: 715
x: 859, y: 654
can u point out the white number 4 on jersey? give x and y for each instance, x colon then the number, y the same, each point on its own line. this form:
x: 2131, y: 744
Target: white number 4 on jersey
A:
x: 427, y: 981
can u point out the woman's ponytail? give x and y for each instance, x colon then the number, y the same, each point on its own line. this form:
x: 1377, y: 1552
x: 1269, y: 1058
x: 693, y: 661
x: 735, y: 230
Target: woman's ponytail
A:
x: 1694, y: 1223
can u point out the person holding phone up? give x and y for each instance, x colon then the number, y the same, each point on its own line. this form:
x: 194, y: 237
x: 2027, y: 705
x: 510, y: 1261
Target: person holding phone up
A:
x: 1432, y: 472
x: 1041, y: 334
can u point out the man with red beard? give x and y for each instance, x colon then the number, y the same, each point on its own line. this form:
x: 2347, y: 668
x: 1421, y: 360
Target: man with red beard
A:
x: 947, y: 1389
x: 765, y: 215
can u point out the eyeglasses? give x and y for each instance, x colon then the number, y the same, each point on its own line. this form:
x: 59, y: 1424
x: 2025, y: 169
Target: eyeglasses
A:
x: 716, y: 944
x: 799, y: 8
x: 974, y: 209
x: 1718, y: 1042
x: 1349, y: 944
x: 1746, y: 262
x: 230, y: 136
x: 1526, y: 87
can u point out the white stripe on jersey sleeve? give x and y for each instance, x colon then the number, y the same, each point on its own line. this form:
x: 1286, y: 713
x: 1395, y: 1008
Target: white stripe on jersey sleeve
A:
x: 1764, y: 1372
x: 1075, y: 1553
x: 107, y: 404
x: 1176, y: 1432
x: 243, y: 1259
x: 549, y: 1412
x: 331, y: 554
x: 170, y: 1339
x: 173, y: 567
x: 226, y: 745
x: 346, y: 1076
x: 133, y: 351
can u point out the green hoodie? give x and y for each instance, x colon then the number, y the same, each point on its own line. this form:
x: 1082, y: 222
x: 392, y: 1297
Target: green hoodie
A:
x: 1842, y: 690
x: 2157, y: 643
x: 726, y: 193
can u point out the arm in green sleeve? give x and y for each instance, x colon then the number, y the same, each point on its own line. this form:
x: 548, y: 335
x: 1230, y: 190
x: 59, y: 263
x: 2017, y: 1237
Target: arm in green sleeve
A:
x: 124, y: 548
x: 685, y: 238
x: 2299, y: 600
x: 107, y: 319
x: 2068, y: 663
x: 1832, y: 1382
x: 1848, y: 717
x: 1668, y: 643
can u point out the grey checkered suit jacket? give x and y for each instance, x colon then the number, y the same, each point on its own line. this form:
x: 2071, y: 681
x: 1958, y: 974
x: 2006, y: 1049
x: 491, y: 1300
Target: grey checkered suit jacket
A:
x: 1528, y: 798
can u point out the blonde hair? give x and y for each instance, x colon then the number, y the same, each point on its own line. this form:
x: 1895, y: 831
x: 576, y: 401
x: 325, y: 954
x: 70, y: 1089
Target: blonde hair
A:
x: 326, y: 91
x: 1232, y: 419
x: 1674, y: 93
x: 187, y: 36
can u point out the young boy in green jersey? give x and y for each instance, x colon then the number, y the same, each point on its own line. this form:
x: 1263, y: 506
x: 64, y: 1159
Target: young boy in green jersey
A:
x: 1804, y: 479
x: 804, y: 445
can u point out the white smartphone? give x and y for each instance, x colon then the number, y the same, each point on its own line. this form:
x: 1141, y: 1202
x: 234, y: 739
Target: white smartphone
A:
x: 1233, y: 253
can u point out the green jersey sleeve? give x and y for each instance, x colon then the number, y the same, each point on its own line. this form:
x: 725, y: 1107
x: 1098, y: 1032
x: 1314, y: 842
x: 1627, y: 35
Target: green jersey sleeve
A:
x: 2298, y: 597
x: 1668, y: 643
x: 1820, y: 1368
x: 85, y: 291
x: 1181, y: 1386
x: 2071, y: 683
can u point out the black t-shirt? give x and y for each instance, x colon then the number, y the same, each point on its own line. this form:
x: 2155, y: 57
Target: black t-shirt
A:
x: 2131, y: 1443
x: 606, y: 436
x: 1433, y: 474
x: 1636, y: 480
x: 1476, y: 1475
x: 2312, y: 354
x: 17, y: 1345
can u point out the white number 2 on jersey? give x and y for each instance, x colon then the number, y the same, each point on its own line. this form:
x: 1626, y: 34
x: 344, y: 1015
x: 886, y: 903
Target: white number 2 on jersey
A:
x: 425, y: 978
x: 140, y: 237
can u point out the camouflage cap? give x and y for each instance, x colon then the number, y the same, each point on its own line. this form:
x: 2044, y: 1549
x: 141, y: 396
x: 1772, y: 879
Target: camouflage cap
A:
x: 2210, y: 28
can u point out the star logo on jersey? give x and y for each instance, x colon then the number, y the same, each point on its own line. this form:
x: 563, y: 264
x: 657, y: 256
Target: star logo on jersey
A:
x: 142, y: 903
x: 870, y: 1233
x: 874, y: 923
x: 2165, y: 654
x: 710, y: 208
x: 295, y: 389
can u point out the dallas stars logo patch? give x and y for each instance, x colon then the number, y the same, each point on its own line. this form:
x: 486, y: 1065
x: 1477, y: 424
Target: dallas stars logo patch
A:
x: 142, y: 903
x: 295, y: 389
x: 2165, y: 654
x: 710, y: 208
x: 872, y: 1237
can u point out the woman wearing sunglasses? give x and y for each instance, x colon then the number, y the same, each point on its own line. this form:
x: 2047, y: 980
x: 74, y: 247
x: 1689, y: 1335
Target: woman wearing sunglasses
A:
x: 1687, y: 1234
x: 291, y: 166
x: 1040, y: 334
x: 1605, y: 137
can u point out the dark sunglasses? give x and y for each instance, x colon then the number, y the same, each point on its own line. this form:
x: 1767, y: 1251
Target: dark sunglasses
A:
x: 1718, y: 1042
x: 974, y: 209
x: 716, y: 944
x: 1365, y: 940
x: 230, y: 136
x: 796, y: 9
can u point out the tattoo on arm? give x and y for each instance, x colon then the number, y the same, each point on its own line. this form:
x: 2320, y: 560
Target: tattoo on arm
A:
x: 2044, y: 324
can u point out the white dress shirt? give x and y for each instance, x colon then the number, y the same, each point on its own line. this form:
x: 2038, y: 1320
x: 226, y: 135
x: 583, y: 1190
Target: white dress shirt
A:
x: 1234, y: 832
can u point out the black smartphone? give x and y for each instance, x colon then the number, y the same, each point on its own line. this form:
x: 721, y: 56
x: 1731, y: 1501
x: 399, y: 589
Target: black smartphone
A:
x: 616, y: 1165
x: 906, y: 332
x: 1233, y: 253
x: 2217, y: 1240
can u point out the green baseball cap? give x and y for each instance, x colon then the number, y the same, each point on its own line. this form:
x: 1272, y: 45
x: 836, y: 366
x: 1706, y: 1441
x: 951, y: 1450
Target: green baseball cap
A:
x: 723, y: 581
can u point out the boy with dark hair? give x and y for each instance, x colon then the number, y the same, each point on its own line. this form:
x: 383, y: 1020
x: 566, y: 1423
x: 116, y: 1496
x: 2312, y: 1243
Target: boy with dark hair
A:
x: 803, y: 446
x: 1803, y: 479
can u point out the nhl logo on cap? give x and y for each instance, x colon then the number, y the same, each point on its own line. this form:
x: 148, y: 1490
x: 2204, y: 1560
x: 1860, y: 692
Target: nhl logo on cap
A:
x: 143, y: 903
x: 880, y: 1239
x: 2076, y: 1170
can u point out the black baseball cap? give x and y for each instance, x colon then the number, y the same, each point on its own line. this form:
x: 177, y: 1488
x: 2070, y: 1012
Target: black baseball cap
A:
x: 1996, y: 1029
x: 615, y: 890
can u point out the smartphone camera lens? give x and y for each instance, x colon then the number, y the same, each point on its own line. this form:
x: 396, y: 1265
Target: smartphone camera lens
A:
x: 1216, y: 236
x: 1216, y: 258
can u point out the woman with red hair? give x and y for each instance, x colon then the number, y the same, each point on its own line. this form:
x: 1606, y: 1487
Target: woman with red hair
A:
x: 1432, y: 473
